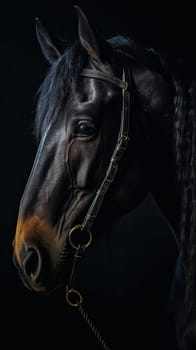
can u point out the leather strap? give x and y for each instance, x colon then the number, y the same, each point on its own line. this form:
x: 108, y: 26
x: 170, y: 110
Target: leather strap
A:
x: 93, y: 73
x: 83, y: 231
x: 121, y: 144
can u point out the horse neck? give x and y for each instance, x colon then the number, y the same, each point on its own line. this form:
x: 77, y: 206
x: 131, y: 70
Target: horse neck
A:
x: 155, y: 96
x: 158, y: 125
x: 164, y: 184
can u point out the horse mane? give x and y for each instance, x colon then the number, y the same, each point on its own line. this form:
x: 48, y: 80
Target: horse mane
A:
x: 185, y: 146
x: 60, y: 82
x: 57, y: 86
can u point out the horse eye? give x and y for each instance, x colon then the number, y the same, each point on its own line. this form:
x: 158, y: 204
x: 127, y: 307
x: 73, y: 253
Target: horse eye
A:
x: 84, y: 128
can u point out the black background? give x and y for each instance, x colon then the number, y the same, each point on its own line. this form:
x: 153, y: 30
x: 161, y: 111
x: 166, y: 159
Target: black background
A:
x: 127, y: 276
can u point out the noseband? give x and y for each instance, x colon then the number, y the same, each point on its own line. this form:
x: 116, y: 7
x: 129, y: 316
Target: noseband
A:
x: 80, y: 236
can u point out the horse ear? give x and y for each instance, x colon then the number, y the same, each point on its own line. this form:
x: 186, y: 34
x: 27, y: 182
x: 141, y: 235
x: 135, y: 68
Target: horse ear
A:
x: 48, y: 48
x: 87, y: 36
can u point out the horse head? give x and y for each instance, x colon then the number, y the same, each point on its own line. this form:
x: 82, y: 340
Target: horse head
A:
x: 79, y: 127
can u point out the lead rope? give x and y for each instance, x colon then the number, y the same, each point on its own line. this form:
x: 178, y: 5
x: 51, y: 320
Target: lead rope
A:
x: 93, y: 328
x: 73, y: 296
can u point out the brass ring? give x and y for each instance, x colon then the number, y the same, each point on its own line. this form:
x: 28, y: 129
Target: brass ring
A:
x: 75, y: 294
x: 80, y: 228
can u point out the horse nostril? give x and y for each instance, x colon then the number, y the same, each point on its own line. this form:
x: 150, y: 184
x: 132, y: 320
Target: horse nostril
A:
x: 32, y: 263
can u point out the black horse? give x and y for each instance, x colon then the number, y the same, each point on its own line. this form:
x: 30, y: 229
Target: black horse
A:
x: 114, y: 122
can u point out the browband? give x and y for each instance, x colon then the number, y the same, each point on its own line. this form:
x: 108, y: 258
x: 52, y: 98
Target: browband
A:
x: 94, y: 73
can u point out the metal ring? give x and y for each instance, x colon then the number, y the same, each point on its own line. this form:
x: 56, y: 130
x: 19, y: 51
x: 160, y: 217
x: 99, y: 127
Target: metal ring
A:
x: 75, y: 294
x: 79, y: 228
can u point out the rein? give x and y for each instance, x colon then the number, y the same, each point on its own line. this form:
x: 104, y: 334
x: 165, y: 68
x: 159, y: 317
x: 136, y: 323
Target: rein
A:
x: 80, y: 236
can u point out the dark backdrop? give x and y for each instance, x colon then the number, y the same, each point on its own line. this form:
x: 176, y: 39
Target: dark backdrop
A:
x: 129, y: 276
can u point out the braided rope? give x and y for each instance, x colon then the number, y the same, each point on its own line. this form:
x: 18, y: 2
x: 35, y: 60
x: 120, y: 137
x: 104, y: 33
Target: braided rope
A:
x: 93, y: 328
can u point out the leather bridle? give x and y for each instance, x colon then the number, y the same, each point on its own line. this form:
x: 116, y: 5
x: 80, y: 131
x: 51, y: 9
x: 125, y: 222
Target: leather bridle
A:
x: 80, y: 236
